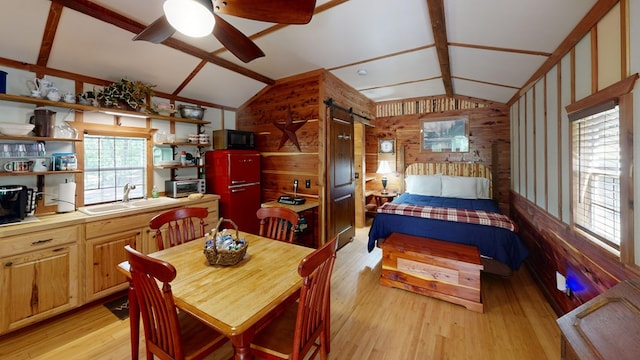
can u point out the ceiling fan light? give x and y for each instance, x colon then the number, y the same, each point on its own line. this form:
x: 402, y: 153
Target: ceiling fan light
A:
x: 190, y: 17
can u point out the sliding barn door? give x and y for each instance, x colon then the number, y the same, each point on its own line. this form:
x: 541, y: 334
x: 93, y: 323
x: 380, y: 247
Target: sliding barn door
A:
x: 341, y: 180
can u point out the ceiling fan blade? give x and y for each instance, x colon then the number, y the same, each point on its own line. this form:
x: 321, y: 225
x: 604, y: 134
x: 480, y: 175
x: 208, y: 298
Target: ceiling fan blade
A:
x: 235, y: 41
x: 276, y: 11
x: 159, y: 31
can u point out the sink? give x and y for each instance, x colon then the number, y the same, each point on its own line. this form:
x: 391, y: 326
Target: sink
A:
x: 141, y: 203
x: 103, y: 208
x: 121, y: 206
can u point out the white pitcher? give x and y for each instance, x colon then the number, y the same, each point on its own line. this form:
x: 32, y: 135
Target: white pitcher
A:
x: 42, y: 85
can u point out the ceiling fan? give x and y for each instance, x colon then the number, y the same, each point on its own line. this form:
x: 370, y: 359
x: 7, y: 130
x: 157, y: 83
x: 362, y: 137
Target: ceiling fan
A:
x: 276, y: 11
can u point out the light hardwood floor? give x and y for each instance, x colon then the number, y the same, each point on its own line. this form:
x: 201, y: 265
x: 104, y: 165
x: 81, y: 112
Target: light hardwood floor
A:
x: 369, y: 321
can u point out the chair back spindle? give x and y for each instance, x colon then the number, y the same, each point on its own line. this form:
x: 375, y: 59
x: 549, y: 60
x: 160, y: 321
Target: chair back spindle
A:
x: 179, y: 225
x: 278, y: 223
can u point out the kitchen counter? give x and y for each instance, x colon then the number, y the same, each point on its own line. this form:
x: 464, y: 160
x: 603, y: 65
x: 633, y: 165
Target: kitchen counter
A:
x: 53, y: 221
x: 62, y: 261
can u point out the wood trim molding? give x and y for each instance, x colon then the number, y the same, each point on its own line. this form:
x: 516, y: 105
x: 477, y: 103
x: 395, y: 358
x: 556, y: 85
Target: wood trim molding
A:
x: 611, y: 92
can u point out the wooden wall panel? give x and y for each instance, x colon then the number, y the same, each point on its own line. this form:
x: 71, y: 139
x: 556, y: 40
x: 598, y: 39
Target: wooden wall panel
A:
x: 295, y: 97
x: 489, y: 129
x: 303, y: 95
x: 552, y: 245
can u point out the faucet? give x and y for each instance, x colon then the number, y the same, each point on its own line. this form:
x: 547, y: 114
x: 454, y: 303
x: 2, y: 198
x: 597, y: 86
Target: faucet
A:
x: 127, y: 188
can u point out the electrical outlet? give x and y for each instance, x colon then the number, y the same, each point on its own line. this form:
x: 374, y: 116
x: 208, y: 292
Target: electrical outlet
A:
x: 561, y: 281
x: 307, y: 183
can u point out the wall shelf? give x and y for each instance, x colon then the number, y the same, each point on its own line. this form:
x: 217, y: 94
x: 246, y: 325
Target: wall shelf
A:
x: 181, y: 144
x: 88, y: 108
x: 36, y: 138
x: 178, y: 166
x: 31, y: 173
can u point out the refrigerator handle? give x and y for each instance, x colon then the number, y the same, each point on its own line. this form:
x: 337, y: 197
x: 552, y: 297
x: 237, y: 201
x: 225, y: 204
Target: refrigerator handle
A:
x: 238, y: 190
x: 236, y: 182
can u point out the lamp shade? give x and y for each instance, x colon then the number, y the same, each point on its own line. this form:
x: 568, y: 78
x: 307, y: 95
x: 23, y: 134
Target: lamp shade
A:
x: 384, y: 167
x: 190, y: 17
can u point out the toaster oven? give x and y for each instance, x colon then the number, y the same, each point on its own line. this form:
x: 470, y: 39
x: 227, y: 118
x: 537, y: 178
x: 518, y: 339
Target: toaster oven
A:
x: 184, y: 188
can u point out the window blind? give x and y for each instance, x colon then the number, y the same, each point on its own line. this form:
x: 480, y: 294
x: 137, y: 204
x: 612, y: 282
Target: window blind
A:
x: 596, y: 151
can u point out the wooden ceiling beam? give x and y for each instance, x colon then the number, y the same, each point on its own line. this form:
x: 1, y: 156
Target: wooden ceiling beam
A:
x: 439, y: 29
x: 111, y: 17
x: 49, y: 33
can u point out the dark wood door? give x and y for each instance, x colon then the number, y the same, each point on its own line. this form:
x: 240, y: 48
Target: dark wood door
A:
x: 341, y: 180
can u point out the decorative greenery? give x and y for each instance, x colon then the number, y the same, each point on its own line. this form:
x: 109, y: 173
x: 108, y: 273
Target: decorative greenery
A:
x: 132, y: 93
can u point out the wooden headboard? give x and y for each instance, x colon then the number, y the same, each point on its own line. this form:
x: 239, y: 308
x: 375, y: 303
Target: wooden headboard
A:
x: 453, y: 169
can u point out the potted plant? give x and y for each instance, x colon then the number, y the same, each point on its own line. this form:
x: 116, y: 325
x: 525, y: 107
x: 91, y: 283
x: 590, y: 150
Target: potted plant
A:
x: 125, y: 93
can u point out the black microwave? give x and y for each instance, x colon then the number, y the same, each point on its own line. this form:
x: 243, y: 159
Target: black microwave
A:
x: 233, y: 140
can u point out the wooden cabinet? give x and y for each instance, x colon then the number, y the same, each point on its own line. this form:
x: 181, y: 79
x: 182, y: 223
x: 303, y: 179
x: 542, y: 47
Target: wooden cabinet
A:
x: 105, y: 250
x: 103, y: 255
x: 605, y: 327
x: 39, y: 276
x: 66, y: 260
x: 105, y: 243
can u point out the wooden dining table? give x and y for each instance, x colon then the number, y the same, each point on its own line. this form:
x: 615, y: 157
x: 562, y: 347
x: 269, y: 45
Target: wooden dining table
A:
x: 235, y: 300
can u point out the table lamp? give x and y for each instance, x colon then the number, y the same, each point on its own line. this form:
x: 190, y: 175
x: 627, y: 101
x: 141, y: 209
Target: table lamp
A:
x: 384, y: 169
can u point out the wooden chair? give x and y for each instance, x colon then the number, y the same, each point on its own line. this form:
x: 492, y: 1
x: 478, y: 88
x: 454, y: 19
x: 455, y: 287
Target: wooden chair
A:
x: 180, y: 225
x: 169, y: 334
x: 304, y: 325
x: 278, y: 223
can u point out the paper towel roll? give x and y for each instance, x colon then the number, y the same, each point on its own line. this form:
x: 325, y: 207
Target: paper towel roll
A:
x: 67, y: 197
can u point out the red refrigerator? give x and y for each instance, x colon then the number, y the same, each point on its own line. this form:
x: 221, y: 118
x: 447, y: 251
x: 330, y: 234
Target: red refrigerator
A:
x: 235, y: 176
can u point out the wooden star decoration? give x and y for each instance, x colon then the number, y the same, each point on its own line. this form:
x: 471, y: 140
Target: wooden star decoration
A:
x: 289, y: 128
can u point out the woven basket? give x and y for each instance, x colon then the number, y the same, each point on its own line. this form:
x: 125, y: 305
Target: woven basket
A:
x: 222, y: 256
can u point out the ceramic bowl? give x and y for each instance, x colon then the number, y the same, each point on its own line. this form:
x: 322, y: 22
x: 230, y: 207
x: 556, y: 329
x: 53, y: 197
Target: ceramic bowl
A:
x: 16, y: 129
x: 191, y: 112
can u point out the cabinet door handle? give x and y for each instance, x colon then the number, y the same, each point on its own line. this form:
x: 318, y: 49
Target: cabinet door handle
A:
x: 40, y: 242
x: 8, y: 264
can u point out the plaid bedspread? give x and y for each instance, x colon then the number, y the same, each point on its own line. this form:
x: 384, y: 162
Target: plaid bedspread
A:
x: 449, y: 214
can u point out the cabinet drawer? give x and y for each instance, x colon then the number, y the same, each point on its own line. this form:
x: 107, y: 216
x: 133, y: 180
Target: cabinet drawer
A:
x: 118, y: 225
x: 38, y: 240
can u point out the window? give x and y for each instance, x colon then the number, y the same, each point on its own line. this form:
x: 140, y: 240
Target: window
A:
x: 110, y: 162
x: 602, y: 160
x: 596, y: 176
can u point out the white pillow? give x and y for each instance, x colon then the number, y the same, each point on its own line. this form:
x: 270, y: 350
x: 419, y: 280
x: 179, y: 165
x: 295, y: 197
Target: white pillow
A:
x: 430, y: 185
x: 459, y: 187
x: 482, y: 190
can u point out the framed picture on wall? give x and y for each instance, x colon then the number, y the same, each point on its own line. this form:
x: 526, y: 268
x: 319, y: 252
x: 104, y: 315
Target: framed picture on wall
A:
x: 447, y: 134
x: 387, y: 146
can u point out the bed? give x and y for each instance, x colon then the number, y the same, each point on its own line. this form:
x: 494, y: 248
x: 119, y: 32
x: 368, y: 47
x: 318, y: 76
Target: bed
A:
x: 452, y: 202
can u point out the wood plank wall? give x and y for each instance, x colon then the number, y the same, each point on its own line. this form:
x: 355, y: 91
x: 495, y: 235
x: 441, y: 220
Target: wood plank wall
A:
x: 488, y: 128
x: 280, y: 166
x: 304, y: 94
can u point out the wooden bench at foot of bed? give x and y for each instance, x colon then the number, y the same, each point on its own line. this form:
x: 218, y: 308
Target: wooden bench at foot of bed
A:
x: 439, y: 269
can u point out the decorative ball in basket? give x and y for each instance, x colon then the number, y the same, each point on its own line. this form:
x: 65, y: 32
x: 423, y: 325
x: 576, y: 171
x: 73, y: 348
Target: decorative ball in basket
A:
x: 223, y: 247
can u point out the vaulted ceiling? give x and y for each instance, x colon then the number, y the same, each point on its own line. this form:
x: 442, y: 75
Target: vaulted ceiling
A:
x: 486, y: 49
